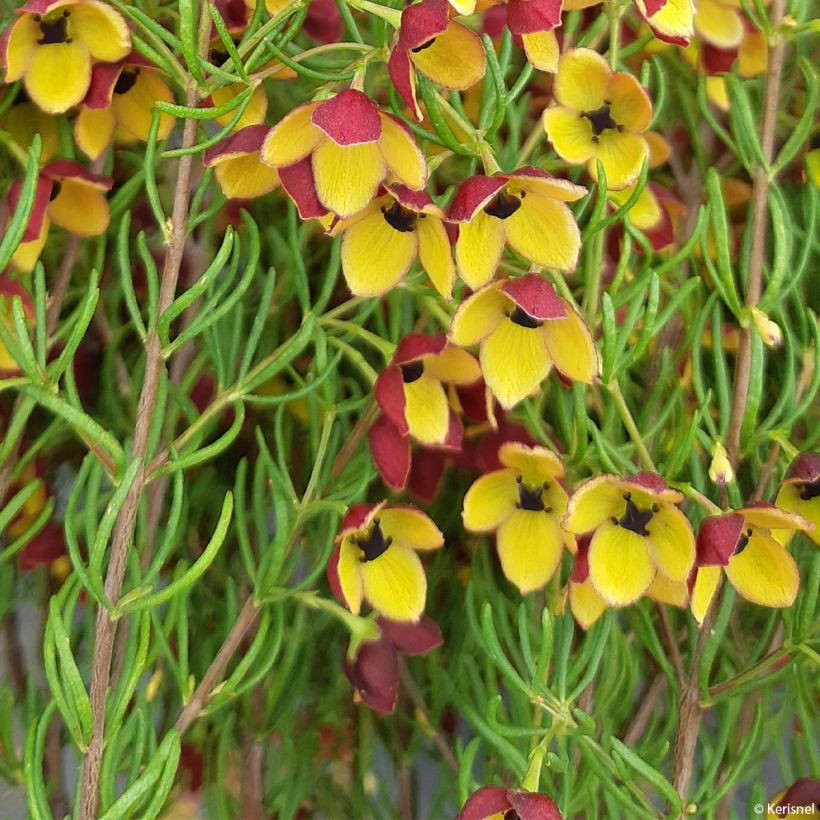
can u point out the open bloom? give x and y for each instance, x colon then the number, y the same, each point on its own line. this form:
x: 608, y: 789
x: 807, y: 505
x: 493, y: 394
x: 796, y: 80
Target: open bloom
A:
x: 237, y: 165
x: 376, y: 560
x: 375, y: 671
x: 800, y: 493
x: 120, y: 103
x: 524, y: 328
x: 336, y: 153
x: 380, y: 243
x: 53, y: 44
x: 523, y: 503
x: 740, y: 543
x: 450, y: 54
x: 600, y: 115
x: 492, y: 802
x: 525, y: 210
x: 636, y: 532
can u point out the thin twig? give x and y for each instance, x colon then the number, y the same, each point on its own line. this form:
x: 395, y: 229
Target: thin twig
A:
x: 649, y: 700
x: 671, y: 642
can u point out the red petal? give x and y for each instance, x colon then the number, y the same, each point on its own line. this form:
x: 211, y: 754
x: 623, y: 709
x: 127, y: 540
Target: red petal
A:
x: 333, y: 575
x: 45, y: 547
x: 580, y: 561
x: 485, y: 802
x: 426, y: 473
x: 391, y: 453
x: 805, y: 468
x: 401, y: 73
x: 412, y: 638
x: 472, y: 195
x: 422, y: 22
x: 323, y: 21
x: 417, y: 345
x: 389, y: 393
x: 349, y: 118
x: 649, y: 481
x: 531, y: 806
x: 42, y: 196
x: 356, y: 517
x: 104, y: 77
x: 245, y: 141
x: 536, y: 296
x: 529, y: 16
x: 717, y: 60
x: 297, y: 180
x: 654, y: 6
x: 718, y: 538
x: 408, y: 198
x: 69, y: 169
x: 375, y: 673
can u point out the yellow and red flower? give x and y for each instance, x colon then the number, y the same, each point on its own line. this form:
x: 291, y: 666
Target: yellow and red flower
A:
x: 740, y: 543
x: 333, y: 155
x: 599, y: 115
x: 9, y: 288
x: 525, y: 210
x: 800, y: 493
x: 380, y: 243
x: 238, y: 167
x: 494, y: 802
x: 376, y: 560
x: 523, y: 503
x: 670, y: 20
x: 450, y: 54
x: 637, y: 532
x: 524, y: 328
x: 53, y: 43
x: 534, y: 22
x: 119, y: 104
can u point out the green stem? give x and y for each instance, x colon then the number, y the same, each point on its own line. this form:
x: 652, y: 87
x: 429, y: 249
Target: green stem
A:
x: 614, y: 389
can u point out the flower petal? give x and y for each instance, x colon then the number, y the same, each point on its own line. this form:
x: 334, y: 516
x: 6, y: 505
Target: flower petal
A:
x: 478, y: 249
x: 570, y: 133
x: 20, y: 45
x: 769, y: 517
x: 401, y: 154
x: 586, y: 604
x: 536, y: 464
x: 594, y: 502
x: 395, y: 584
x: 255, y: 112
x: 435, y: 254
x: 245, y: 177
x: 544, y: 232
x: 619, y: 564
x: 490, y: 501
x: 58, y: 76
x: 673, y: 22
x: 93, y: 130
x: 453, y: 365
x: 719, y: 24
x: 375, y: 256
x: 514, y: 361
x: 79, y: 209
x: 403, y: 76
x: 345, y: 577
x: 706, y: 584
x: 671, y: 543
x: 391, y: 453
x: 622, y: 154
x: 134, y: 109
x: 582, y: 80
x: 764, y: 572
x: 349, y: 118
x: 347, y: 177
x: 530, y: 547
x: 411, y: 528
x: 298, y: 182
x: 455, y: 60
x: 789, y: 498
x: 293, y: 138
x: 541, y: 48
x: 571, y: 347
x: 478, y: 316
x: 629, y: 104
x: 101, y: 29
x: 664, y: 591
x: 427, y: 410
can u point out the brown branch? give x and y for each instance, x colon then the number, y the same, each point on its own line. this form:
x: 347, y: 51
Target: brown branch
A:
x: 649, y: 700
x: 759, y: 207
x: 671, y: 642
x: 253, y: 760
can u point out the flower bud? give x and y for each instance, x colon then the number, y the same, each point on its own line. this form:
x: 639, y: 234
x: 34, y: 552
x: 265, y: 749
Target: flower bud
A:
x: 769, y: 331
x: 720, y: 470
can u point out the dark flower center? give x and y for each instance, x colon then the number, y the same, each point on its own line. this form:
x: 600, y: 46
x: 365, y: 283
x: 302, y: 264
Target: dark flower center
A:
x: 522, y: 318
x: 530, y: 498
x: 502, y: 205
x: 56, y: 187
x: 635, y: 519
x: 412, y: 371
x: 809, y: 490
x: 601, y: 120
x: 399, y: 218
x: 511, y: 814
x: 54, y: 29
x: 417, y: 49
x: 374, y: 544
x: 126, y: 81
x: 743, y: 542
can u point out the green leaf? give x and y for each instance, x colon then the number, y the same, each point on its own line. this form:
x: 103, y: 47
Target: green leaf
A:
x: 19, y: 220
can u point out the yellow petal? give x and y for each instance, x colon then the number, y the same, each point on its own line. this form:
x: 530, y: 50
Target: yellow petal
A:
x: 664, y: 591
x: 134, y: 108
x: 619, y: 564
x: 58, y: 76
x: 571, y: 347
x: 753, y: 54
x: 401, y: 154
x: 629, y: 104
x: 479, y: 316
x: 478, y: 249
x: 671, y: 543
x: 93, y: 130
x: 79, y: 209
x: 453, y: 365
x: 718, y: 24
x: 646, y: 212
x: 535, y: 464
x: 455, y: 60
x: 395, y: 584
x: 375, y: 256
x: 594, y: 502
x: 490, y: 501
x: 27, y: 253
x: 252, y: 115
x: 570, y: 133
x: 541, y: 48
x: 673, y: 20
x: 764, y: 572
x: 582, y: 80
x: 544, y: 232
x: 514, y: 362
x: 347, y: 177
x: 435, y: 254
x: 463, y: 6
x: 586, y: 604
x: 24, y: 120
x: 706, y: 584
x: 530, y: 547
x: 622, y: 155
x: 293, y: 138
x: 427, y: 410
x: 21, y: 45
x: 718, y: 92
x: 101, y: 29
x: 245, y: 176
x: 350, y: 576
x: 410, y: 528
x: 790, y: 499
x: 770, y: 518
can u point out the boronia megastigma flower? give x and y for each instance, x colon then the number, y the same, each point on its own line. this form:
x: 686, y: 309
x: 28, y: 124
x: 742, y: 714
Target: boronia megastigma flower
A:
x: 600, y: 114
x: 375, y: 560
x: 636, y: 531
x: 523, y: 503
x: 740, y: 543
x: 524, y: 328
x: 333, y: 155
x: 53, y: 44
x: 526, y: 210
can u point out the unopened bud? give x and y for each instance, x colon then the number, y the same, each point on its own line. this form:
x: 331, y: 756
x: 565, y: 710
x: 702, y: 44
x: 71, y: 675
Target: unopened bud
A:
x: 769, y: 331
x: 720, y: 470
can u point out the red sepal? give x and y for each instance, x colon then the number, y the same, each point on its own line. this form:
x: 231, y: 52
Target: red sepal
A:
x: 391, y: 453
x: 718, y: 538
x: 349, y: 118
x: 298, y: 182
